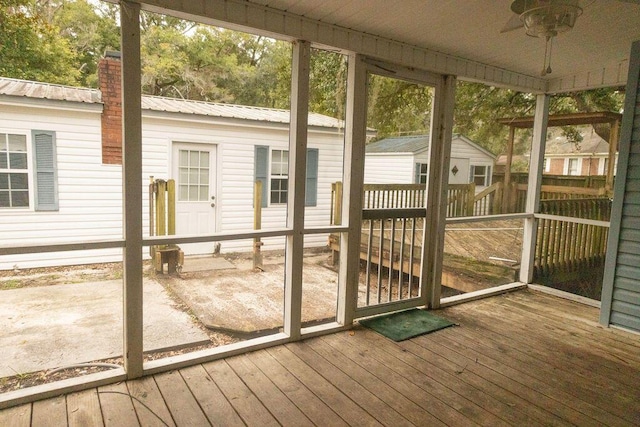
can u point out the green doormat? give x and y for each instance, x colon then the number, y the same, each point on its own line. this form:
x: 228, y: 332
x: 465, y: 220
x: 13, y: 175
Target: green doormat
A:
x: 406, y: 324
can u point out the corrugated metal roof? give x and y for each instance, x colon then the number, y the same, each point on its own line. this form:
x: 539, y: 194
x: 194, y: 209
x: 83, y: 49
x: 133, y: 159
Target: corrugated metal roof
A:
x: 399, y: 144
x: 37, y: 90
x: 29, y: 89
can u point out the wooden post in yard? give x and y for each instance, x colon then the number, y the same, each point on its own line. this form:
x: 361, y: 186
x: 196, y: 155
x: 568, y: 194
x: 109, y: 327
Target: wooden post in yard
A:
x: 257, y: 224
x: 471, y: 196
x: 161, y: 224
x: 171, y: 207
x: 337, y: 208
x: 152, y: 230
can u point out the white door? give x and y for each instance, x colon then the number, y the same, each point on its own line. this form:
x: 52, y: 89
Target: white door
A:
x: 194, y: 173
x: 459, y: 171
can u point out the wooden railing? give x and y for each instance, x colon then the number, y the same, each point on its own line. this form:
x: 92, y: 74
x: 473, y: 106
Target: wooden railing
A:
x: 568, y: 249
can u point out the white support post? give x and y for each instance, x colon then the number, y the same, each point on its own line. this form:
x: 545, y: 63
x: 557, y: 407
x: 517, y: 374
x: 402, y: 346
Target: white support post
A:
x: 438, y: 180
x: 132, y: 186
x: 296, y: 188
x: 353, y: 179
x: 532, y: 206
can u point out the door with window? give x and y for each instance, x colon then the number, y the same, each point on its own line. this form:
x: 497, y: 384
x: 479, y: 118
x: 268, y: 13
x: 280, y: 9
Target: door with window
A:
x: 459, y: 171
x: 194, y: 173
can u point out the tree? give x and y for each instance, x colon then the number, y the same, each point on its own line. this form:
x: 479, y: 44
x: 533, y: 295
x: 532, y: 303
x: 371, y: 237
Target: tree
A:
x: 33, y: 49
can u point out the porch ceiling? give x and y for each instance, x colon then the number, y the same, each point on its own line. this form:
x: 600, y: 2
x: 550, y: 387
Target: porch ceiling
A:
x: 470, y: 29
x: 460, y: 37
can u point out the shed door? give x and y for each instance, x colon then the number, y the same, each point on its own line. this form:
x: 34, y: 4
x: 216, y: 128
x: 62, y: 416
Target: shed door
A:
x: 459, y: 171
x: 194, y: 173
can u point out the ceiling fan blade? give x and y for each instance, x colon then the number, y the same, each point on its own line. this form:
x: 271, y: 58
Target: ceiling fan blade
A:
x: 512, y: 24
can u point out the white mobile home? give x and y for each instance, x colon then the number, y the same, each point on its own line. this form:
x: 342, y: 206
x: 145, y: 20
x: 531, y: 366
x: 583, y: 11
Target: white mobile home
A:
x: 404, y: 160
x: 61, y: 167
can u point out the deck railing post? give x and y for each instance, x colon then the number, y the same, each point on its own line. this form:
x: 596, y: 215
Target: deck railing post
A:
x: 533, y: 194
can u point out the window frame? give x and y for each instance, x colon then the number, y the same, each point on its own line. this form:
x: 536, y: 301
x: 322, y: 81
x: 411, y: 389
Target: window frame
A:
x: 8, y: 170
x: 577, y: 168
x: 419, y: 174
x: 281, y: 178
x: 486, y: 176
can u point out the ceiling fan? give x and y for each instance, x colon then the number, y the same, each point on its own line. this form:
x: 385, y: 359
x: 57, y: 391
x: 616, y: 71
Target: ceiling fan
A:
x: 544, y: 18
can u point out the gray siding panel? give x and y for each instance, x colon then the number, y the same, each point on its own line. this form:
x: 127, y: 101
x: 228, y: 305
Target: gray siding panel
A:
x: 625, y: 320
x: 621, y: 285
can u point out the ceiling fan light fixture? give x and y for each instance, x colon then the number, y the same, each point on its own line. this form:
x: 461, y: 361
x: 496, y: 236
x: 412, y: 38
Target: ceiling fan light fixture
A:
x: 547, y: 18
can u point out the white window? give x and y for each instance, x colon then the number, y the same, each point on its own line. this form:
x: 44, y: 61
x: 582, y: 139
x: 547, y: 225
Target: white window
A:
x: 421, y: 173
x: 14, y: 173
x: 481, y: 175
x: 194, y: 176
x: 546, y: 165
x: 15, y: 179
x: 572, y: 166
x: 279, y: 176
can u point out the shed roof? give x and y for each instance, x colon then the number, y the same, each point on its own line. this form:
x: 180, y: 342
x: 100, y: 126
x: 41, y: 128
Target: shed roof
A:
x: 414, y: 144
x: 38, y: 90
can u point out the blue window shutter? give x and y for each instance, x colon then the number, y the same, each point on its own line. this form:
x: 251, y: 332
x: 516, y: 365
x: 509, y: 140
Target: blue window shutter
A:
x: 416, y: 177
x: 311, y: 191
x: 45, y: 170
x: 262, y: 170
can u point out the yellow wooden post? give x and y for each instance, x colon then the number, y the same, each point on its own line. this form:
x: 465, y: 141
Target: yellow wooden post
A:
x: 171, y: 207
x: 161, y: 224
x: 257, y: 223
x: 471, y: 196
x: 337, y: 211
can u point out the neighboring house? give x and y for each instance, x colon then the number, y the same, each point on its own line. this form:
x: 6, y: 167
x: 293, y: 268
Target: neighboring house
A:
x: 403, y: 160
x: 588, y: 157
x: 61, y: 167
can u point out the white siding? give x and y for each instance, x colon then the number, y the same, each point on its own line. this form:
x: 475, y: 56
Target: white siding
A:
x: 399, y: 168
x: 90, y: 193
x: 90, y: 204
x: 389, y: 168
x: 235, y: 172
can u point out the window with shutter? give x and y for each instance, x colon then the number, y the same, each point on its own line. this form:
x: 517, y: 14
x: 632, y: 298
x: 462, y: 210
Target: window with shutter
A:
x: 14, y: 172
x: 45, y: 174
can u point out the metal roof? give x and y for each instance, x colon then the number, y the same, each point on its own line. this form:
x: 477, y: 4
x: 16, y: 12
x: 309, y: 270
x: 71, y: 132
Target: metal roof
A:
x: 37, y: 90
x: 414, y: 144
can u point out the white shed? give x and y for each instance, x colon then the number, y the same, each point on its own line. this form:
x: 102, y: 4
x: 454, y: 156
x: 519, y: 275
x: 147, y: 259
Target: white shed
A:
x: 403, y: 160
x: 61, y: 168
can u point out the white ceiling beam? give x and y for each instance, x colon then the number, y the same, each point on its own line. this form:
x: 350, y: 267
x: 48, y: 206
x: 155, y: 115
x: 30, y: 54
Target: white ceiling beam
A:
x: 251, y: 17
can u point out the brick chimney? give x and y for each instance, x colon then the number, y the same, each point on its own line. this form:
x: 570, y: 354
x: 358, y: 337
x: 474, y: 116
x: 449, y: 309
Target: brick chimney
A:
x: 109, y: 71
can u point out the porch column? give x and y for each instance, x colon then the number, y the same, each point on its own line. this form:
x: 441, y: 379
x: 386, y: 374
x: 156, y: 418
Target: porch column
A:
x: 613, y: 149
x: 353, y: 179
x: 532, y: 206
x: 438, y: 181
x: 132, y: 186
x: 296, y: 188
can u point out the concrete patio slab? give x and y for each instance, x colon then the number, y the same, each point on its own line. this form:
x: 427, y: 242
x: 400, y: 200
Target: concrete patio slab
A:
x: 250, y: 302
x: 54, y: 326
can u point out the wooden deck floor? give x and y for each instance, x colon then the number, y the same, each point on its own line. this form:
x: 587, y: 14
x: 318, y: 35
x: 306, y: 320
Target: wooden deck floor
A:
x: 525, y: 358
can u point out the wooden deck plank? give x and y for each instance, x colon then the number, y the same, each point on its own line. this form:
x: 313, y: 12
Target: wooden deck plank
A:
x: 526, y: 358
x: 557, y: 400
x: 148, y: 403
x: 488, y: 385
x: 552, y: 365
x: 49, y: 412
x: 529, y: 327
x: 117, y: 406
x: 18, y: 416
x: 83, y: 409
x: 215, y: 406
x: 375, y: 406
x: 406, y: 407
x: 317, y: 411
x: 248, y: 406
x: 268, y: 393
x: 182, y: 404
x: 386, y: 351
x: 427, y: 397
x: 528, y: 398
x: 446, y: 374
x: 333, y: 397
x: 609, y: 343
